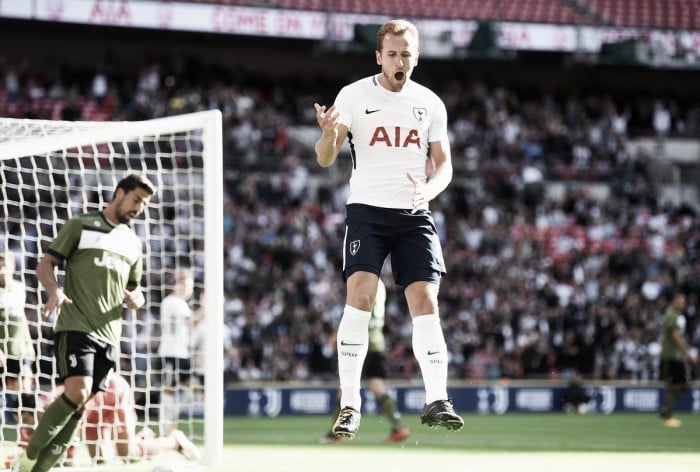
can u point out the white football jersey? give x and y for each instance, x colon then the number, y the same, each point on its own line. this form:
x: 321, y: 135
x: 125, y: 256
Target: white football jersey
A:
x: 389, y: 135
x: 174, y: 327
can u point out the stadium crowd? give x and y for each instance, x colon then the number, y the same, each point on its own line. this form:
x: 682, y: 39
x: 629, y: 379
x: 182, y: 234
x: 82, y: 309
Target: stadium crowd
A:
x: 537, y: 286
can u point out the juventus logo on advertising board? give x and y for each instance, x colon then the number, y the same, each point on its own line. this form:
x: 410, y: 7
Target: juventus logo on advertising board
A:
x: 354, y: 247
x: 420, y: 113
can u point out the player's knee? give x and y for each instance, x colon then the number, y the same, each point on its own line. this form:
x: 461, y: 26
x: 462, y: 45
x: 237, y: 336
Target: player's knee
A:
x: 77, y: 395
x: 361, y: 301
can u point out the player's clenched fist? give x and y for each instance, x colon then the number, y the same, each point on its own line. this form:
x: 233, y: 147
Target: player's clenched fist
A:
x: 134, y: 299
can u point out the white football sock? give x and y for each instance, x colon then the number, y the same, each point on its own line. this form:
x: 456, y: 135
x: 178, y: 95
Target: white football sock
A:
x: 352, y: 350
x: 431, y: 352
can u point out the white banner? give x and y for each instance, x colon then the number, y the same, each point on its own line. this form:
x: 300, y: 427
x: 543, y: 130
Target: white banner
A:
x: 317, y: 25
x: 537, y: 37
x: 16, y: 9
x: 185, y: 17
x: 571, y: 38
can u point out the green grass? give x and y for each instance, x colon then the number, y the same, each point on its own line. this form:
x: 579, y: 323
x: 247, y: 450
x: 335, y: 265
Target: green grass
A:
x: 512, y: 442
x: 513, y: 432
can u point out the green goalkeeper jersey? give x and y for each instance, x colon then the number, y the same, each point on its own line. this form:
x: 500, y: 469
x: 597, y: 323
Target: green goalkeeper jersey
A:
x: 101, y: 260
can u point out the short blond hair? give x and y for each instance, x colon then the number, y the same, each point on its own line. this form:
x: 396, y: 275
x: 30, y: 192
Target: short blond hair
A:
x: 398, y: 28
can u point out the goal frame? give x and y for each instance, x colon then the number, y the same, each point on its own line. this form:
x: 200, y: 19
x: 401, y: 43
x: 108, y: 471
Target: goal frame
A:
x: 42, y: 141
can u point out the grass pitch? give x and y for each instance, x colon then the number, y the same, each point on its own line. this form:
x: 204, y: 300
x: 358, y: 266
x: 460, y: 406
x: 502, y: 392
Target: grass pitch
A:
x: 529, y: 432
x: 517, y: 442
x: 512, y: 442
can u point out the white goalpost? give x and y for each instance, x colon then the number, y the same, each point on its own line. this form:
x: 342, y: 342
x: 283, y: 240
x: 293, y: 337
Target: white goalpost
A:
x: 52, y: 170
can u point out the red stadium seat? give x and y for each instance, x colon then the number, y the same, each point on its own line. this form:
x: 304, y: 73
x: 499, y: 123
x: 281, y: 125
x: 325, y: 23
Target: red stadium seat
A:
x: 671, y: 14
x: 540, y: 11
x: 674, y: 14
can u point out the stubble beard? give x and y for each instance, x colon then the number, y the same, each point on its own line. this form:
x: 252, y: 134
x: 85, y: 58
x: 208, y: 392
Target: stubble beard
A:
x: 394, y: 84
x: 123, y: 218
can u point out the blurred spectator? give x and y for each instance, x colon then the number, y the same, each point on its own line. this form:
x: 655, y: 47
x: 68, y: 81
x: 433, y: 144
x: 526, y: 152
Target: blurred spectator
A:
x: 542, y: 282
x: 575, y: 396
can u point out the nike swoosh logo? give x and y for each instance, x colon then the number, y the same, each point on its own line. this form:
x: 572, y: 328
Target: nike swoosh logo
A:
x: 343, y: 343
x: 369, y: 112
x: 430, y: 353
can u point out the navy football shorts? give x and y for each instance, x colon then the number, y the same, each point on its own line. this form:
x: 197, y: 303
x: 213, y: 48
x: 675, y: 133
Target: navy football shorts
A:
x: 372, y: 233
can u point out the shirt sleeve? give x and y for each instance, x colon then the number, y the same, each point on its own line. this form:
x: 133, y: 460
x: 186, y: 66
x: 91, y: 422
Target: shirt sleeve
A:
x: 343, y: 104
x: 438, y: 125
x: 136, y: 271
x: 67, y: 239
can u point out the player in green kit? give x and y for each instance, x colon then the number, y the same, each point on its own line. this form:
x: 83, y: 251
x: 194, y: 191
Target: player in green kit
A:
x: 103, y: 258
x: 676, y: 355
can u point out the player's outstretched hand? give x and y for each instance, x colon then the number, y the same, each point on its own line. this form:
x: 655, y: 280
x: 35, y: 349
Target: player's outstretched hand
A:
x: 52, y: 307
x: 327, y: 118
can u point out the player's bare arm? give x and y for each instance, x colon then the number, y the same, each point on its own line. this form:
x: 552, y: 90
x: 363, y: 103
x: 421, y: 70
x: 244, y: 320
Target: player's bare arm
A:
x: 200, y: 312
x: 45, y: 272
x: 438, y: 181
x: 680, y: 341
x: 30, y: 353
x: 328, y: 145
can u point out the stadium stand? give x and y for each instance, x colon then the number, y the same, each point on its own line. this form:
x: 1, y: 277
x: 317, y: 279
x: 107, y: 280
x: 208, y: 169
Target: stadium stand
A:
x: 540, y: 11
x: 538, y: 286
x: 672, y: 14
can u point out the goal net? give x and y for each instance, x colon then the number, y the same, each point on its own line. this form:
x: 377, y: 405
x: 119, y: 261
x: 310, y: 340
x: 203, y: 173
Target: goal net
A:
x: 52, y: 170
